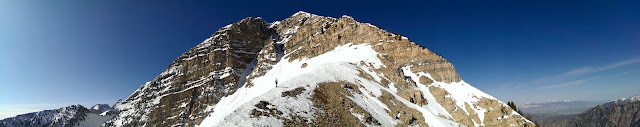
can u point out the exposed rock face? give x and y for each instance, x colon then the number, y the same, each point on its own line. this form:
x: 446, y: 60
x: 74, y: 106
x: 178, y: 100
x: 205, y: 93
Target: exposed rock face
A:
x: 197, y: 79
x: 623, y: 112
x: 310, y: 70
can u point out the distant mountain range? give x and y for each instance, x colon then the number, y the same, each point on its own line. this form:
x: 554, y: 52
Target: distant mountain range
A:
x: 623, y: 112
x: 566, y: 107
x: 74, y: 115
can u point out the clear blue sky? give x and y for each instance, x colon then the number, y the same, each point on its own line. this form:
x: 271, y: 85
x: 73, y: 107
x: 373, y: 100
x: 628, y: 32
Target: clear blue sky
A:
x: 57, y: 53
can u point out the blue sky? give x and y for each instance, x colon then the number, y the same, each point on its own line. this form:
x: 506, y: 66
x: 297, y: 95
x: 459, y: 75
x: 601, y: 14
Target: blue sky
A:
x: 58, y: 53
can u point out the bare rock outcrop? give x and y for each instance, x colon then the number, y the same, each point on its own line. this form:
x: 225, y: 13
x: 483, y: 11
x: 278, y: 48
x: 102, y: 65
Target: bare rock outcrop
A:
x: 197, y: 79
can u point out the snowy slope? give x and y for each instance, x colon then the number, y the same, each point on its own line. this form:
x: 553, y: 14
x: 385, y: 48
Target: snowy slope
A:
x: 94, y: 120
x: 332, y: 66
x: 341, y: 64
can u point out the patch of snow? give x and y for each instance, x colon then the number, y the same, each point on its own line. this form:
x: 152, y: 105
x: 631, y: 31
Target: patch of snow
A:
x: 359, y: 116
x: 227, y: 26
x: 370, y: 72
x: 432, y: 105
x: 305, y: 14
x: 346, y: 16
x: 430, y: 118
x: 274, y: 24
x: 371, y: 25
x: 393, y: 88
x: 461, y: 92
x: 480, y: 111
x: 184, y: 104
x: 246, y: 72
x: 104, y: 113
x: 292, y: 30
x: 94, y: 120
x: 376, y: 108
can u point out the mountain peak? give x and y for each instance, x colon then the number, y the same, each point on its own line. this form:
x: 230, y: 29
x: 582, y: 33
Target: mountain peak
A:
x: 310, y: 70
x: 302, y: 13
x: 346, y: 16
x: 100, y: 108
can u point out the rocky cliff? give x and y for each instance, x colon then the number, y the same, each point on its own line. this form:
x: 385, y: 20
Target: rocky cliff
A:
x: 624, y: 112
x: 310, y: 70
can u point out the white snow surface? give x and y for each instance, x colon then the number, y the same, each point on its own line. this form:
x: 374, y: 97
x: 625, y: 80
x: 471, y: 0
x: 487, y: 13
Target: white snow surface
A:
x: 337, y: 65
x: 303, y: 13
x: 94, y: 120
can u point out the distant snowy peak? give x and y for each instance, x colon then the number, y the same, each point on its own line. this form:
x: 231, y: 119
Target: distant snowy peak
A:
x: 621, y: 112
x: 66, y: 116
x: 101, y: 108
x: 625, y: 100
x: 565, y: 101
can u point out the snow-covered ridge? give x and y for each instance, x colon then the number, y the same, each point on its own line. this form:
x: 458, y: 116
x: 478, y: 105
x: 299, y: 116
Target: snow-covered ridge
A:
x: 305, y: 14
x: 626, y: 100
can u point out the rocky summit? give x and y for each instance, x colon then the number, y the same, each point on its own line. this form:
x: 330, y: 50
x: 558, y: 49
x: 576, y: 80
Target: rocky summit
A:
x: 310, y: 70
